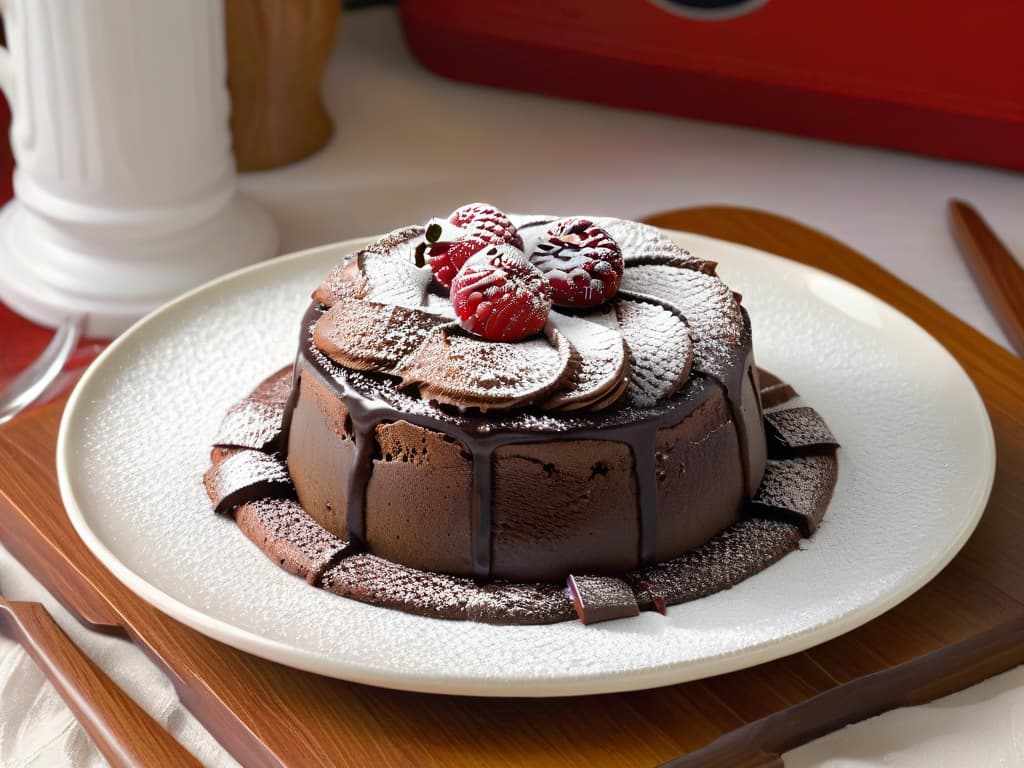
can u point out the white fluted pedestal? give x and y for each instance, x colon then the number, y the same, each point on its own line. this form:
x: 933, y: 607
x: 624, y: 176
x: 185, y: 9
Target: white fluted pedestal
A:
x: 125, y: 188
x: 47, y: 276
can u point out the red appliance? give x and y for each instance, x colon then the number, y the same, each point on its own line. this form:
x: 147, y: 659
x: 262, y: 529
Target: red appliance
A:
x: 934, y: 76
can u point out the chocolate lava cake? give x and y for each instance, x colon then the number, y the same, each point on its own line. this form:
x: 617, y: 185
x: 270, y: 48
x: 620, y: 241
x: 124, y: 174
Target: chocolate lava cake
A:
x: 522, y: 420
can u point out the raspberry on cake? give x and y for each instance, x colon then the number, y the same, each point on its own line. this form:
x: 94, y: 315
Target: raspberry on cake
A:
x: 477, y: 431
x: 499, y: 295
x: 468, y: 230
x: 580, y: 260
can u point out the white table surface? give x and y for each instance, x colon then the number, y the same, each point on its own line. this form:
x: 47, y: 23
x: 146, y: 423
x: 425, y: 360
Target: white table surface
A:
x: 409, y: 145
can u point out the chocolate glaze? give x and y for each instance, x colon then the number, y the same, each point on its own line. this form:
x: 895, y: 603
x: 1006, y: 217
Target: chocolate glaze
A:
x: 367, y: 397
x: 287, y: 534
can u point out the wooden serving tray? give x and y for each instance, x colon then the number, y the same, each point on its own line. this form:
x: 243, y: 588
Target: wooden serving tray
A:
x: 270, y: 715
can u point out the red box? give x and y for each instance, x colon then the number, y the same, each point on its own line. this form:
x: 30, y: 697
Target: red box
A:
x: 939, y: 77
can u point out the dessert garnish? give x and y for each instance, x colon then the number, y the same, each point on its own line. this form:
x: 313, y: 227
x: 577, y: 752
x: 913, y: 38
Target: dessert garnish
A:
x: 466, y: 232
x: 500, y: 296
x: 580, y: 260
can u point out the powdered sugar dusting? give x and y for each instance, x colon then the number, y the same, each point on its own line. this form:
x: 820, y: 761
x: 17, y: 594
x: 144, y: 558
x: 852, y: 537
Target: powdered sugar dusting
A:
x: 368, y: 336
x: 603, y: 362
x: 454, y: 367
x: 644, y: 243
x: 660, y: 349
x: 389, y: 267
x: 385, y: 273
x: 706, y: 302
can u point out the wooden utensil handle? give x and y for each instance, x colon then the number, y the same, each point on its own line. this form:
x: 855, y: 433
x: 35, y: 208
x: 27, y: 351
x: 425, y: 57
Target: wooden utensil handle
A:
x: 73, y: 590
x: 121, y: 729
x: 995, y: 270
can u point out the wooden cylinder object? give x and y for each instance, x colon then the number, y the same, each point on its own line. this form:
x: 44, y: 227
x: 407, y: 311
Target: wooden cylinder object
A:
x: 277, y: 54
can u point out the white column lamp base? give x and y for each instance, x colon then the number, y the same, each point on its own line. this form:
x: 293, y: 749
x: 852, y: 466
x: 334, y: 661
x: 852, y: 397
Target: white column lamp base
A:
x: 46, y: 275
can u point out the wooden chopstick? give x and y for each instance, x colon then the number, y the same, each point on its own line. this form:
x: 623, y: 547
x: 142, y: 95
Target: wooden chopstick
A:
x: 123, y: 732
x: 761, y: 743
x: 998, y: 275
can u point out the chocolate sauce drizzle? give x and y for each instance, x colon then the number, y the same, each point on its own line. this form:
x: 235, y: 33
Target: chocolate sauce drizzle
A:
x: 367, y: 412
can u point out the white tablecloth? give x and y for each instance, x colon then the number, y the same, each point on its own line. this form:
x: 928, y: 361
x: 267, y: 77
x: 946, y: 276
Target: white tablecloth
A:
x: 409, y: 145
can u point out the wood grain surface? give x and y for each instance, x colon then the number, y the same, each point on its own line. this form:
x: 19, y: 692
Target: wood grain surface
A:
x: 269, y: 715
x: 277, y: 55
x: 125, y: 734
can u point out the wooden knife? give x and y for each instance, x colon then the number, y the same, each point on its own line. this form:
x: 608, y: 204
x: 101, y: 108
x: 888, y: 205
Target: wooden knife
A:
x: 998, y: 274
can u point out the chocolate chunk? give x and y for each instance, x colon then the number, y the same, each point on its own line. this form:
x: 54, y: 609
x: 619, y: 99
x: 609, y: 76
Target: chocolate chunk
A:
x: 275, y: 389
x: 797, y: 431
x: 600, y: 598
x: 515, y: 603
x: 246, y: 476
x: 286, y: 534
x: 255, y: 422
x: 796, y: 491
x: 648, y: 592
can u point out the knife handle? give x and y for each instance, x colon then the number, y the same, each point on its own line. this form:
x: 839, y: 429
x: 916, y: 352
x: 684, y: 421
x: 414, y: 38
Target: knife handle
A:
x: 124, y: 733
x: 995, y: 270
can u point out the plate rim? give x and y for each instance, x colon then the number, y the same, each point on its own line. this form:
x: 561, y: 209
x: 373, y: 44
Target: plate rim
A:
x: 422, y: 681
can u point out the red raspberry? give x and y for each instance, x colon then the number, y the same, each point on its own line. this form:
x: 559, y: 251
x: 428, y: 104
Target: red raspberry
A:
x: 472, y: 228
x: 499, y: 295
x: 485, y: 217
x: 581, y: 261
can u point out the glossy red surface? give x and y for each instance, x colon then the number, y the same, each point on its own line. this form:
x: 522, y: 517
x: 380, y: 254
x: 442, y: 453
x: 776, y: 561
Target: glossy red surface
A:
x: 936, y: 78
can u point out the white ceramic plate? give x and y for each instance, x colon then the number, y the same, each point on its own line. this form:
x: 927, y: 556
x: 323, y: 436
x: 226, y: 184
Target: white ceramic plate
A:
x: 915, y: 471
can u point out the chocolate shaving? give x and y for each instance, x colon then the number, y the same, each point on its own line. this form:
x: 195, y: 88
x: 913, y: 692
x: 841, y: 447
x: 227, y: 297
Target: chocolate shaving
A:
x: 453, y: 367
x: 367, y: 336
x: 603, y: 363
x: 661, y: 350
x: 286, y: 534
x: 344, y: 281
x: 705, y: 301
x: 600, y: 598
x: 797, y: 431
x: 796, y: 491
x: 252, y: 424
x: 246, y: 476
x: 391, y: 273
x: 349, y: 281
x: 644, y: 244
